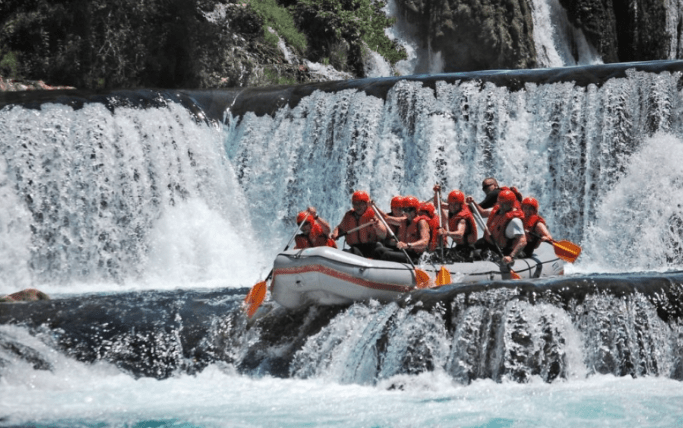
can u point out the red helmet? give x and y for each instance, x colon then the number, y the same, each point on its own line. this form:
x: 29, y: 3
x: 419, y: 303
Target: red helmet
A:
x: 396, y: 202
x: 411, y: 202
x: 428, y: 207
x: 456, y: 196
x: 360, y: 196
x: 532, y: 202
x: 302, y: 215
x: 506, y: 196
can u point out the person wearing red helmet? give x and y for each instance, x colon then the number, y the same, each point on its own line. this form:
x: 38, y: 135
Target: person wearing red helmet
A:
x: 396, y: 206
x: 365, y: 241
x: 396, y: 211
x: 506, y: 226
x: 462, y: 228
x: 413, y: 233
x: 534, y: 226
x: 314, y: 232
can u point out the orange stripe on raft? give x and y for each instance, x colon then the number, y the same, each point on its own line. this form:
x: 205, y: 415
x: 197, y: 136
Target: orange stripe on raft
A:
x: 342, y: 276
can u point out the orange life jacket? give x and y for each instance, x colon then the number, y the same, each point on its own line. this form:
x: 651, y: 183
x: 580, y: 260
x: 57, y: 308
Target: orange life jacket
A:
x: 352, y: 220
x: 470, y: 236
x: 316, y: 238
x: 410, y: 232
x: 498, y: 222
x: 433, y: 223
x: 530, y: 226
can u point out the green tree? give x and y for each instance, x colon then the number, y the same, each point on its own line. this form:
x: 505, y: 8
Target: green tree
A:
x: 342, y: 26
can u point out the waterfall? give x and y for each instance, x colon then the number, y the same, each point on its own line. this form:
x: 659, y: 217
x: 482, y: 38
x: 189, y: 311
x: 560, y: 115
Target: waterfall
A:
x: 558, y: 43
x: 581, y: 151
x: 108, y: 197
x: 93, y: 196
x: 155, y: 197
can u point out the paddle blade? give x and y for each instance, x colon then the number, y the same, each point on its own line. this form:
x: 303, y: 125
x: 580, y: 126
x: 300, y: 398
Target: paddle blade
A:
x: 255, y: 298
x: 421, y: 278
x: 566, y: 250
x: 514, y: 275
x: 443, y: 277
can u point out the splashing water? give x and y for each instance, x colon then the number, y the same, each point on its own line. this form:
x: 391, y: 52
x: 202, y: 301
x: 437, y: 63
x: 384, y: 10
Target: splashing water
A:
x: 639, y: 223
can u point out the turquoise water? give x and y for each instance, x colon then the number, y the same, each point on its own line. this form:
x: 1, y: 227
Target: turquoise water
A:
x: 219, y: 398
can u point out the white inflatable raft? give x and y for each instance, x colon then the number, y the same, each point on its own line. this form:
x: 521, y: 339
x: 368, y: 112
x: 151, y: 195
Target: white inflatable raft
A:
x: 327, y: 276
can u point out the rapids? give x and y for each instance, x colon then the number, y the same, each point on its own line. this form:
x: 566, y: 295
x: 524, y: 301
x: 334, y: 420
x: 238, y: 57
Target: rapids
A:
x: 146, y: 215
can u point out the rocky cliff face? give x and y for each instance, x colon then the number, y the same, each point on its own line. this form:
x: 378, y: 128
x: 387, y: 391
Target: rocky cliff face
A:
x: 491, y: 34
x: 221, y: 43
x: 474, y: 34
x: 628, y: 30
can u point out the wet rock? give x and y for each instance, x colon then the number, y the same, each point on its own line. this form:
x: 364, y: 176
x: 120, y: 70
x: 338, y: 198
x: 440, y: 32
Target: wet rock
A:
x: 625, y: 30
x: 28, y: 295
x: 15, y: 349
x: 474, y: 35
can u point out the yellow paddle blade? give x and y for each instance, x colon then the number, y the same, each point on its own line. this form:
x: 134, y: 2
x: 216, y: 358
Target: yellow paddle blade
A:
x: 443, y: 277
x: 421, y: 278
x: 566, y: 250
x: 255, y: 298
x: 514, y: 275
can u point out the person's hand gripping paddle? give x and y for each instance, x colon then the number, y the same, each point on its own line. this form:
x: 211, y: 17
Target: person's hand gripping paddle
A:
x: 481, y: 222
x: 421, y: 277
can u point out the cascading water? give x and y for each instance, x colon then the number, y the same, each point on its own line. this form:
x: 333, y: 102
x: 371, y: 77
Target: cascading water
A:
x: 583, y: 152
x: 128, y: 215
x: 96, y: 197
x: 558, y: 43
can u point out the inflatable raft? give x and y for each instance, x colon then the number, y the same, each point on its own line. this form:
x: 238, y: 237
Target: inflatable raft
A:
x: 327, y: 276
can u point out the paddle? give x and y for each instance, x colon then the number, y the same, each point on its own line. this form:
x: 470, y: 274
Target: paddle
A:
x: 443, y: 277
x: 421, y: 277
x: 480, y: 220
x: 355, y: 229
x: 566, y: 250
x: 258, y: 292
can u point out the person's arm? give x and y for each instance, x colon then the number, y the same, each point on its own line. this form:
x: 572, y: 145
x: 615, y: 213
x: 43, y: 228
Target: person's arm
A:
x: 324, y: 225
x: 490, y: 200
x: 377, y: 230
x: 542, y: 230
x: 421, y: 244
x: 517, y: 246
x: 484, y: 212
x: 394, y: 221
x: 515, y: 230
x: 339, y: 230
x: 321, y: 221
x: 335, y: 233
x: 459, y: 231
x: 443, y: 230
x: 444, y: 205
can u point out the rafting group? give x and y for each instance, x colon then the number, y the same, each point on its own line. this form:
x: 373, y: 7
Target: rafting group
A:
x: 513, y: 246
x: 413, y: 228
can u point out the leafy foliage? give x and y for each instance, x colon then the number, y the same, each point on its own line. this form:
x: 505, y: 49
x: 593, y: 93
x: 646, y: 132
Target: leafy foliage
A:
x: 350, y: 21
x: 280, y: 20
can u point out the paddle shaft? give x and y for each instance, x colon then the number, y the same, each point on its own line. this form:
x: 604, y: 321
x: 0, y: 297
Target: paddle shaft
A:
x: 355, y: 229
x: 481, y: 221
x: 438, y: 204
x: 392, y: 234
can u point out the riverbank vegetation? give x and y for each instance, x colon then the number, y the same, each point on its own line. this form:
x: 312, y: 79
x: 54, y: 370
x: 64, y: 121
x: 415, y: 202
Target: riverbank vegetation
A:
x: 105, y: 44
